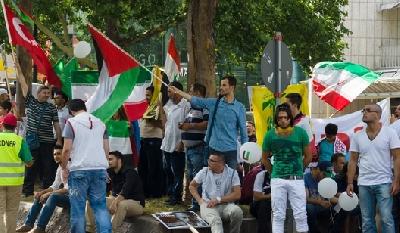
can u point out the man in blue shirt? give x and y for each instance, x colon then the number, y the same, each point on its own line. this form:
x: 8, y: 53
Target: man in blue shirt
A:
x: 229, y: 121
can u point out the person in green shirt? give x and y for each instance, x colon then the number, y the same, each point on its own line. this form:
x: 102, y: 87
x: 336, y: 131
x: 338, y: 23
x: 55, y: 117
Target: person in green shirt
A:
x: 290, y: 147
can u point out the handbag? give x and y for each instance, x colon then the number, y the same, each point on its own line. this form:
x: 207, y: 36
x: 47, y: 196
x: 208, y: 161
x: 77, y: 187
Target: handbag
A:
x: 32, y: 138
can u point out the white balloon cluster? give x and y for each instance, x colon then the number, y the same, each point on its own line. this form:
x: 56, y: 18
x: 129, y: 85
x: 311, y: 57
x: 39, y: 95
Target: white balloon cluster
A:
x: 250, y: 152
x: 82, y: 49
x: 327, y: 188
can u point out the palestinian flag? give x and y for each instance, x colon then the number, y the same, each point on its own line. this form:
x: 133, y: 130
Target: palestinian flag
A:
x: 172, y: 66
x: 122, y: 81
x: 339, y: 83
x: 118, y: 132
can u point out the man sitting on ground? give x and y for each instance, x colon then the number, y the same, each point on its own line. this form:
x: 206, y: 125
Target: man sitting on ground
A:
x: 221, y: 187
x: 127, y: 199
x: 46, y: 201
x: 261, y: 206
x: 317, y: 206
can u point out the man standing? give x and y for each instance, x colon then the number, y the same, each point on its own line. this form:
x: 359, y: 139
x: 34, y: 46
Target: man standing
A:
x: 372, y: 149
x: 127, y: 197
x: 194, y: 130
x: 227, y: 119
x: 4, y: 95
x: 42, y: 118
x: 251, y: 131
x: 294, y: 100
x: 14, y: 153
x: 221, y: 188
x: 175, y: 112
x: 47, y: 200
x: 151, y: 159
x: 60, y: 100
x: 290, y: 147
x: 86, y: 144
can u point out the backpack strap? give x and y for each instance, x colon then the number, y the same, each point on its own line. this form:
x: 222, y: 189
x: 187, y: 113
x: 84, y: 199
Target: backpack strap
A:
x: 212, y: 120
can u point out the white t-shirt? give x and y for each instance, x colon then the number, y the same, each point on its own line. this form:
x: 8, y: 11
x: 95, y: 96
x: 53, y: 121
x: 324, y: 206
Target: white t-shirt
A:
x: 305, y: 124
x: 375, y: 160
x: 221, y: 182
x: 258, y: 183
x: 396, y: 126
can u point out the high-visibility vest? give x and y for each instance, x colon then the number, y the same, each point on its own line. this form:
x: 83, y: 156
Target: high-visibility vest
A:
x: 12, y: 168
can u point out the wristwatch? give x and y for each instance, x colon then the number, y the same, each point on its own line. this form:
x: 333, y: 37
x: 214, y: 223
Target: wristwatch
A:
x: 218, y: 199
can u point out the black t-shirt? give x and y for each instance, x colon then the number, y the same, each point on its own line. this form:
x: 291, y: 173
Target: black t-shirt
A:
x: 127, y: 183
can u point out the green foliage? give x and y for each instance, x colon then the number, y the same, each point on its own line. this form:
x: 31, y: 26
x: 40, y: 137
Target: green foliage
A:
x: 313, y: 30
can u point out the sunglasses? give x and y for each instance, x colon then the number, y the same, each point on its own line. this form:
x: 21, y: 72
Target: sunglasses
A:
x: 368, y: 110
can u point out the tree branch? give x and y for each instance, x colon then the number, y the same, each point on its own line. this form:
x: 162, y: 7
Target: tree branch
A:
x: 64, y: 24
x: 156, y: 30
x: 67, y: 50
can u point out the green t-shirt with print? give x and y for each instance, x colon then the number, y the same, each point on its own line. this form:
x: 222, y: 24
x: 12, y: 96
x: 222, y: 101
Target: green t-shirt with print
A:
x: 287, y: 152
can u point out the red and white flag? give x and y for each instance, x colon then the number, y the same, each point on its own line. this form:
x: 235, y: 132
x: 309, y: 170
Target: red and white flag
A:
x: 19, y: 34
x: 172, y: 66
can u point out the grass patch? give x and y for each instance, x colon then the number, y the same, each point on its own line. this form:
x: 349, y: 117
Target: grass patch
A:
x: 156, y: 205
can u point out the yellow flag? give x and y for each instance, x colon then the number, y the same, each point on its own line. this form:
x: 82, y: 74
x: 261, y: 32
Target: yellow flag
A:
x: 156, y: 84
x: 263, y: 103
x: 303, y: 91
x: 2, y: 68
x: 152, y: 112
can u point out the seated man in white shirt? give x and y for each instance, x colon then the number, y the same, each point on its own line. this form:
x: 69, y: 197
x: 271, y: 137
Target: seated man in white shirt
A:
x: 221, y: 187
x: 47, y: 200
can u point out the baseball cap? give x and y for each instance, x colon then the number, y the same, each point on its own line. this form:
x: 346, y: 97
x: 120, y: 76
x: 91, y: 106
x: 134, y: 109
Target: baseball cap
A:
x: 10, y: 120
x: 3, y: 91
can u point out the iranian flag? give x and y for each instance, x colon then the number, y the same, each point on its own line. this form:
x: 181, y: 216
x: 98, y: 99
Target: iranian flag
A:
x: 172, y: 66
x: 19, y: 34
x: 121, y: 81
x: 339, y: 83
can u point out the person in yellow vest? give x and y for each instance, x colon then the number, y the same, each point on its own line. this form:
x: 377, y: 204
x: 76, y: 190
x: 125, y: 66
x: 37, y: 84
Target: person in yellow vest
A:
x: 15, y: 155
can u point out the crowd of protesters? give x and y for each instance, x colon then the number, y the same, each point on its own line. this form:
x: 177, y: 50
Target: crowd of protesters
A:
x: 70, y: 151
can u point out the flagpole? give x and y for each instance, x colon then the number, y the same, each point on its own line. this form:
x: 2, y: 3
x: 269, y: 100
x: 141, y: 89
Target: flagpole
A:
x: 153, y: 75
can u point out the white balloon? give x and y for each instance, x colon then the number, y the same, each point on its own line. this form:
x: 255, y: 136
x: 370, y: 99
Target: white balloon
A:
x: 82, y: 49
x: 272, y: 160
x: 327, y: 188
x: 250, y: 152
x: 348, y: 203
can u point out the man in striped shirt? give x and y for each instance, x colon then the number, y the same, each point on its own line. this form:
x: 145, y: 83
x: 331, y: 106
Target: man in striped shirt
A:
x: 42, y: 118
x: 194, y: 130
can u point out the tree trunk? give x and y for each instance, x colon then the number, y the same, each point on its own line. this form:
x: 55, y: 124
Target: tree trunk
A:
x: 25, y: 61
x: 200, y: 44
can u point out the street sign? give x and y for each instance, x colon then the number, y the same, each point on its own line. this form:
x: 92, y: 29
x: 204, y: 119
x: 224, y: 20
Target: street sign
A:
x: 276, y: 65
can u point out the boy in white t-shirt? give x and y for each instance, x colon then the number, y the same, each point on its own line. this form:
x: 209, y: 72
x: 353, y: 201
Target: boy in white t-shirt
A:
x: 376, y: 149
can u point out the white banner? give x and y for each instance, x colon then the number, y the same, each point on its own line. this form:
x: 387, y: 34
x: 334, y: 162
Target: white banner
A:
x: 347, y: 124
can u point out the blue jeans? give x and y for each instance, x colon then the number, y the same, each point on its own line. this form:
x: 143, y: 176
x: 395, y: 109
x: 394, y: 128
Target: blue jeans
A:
x: 46, y: 211
x: 313, y: 213
x: 174, y: 166
x: 369, y: 197
x: 195, y: 162
x: 90, y: 184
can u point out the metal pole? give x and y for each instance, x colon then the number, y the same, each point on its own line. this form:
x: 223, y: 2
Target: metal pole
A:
x: 278, y: 66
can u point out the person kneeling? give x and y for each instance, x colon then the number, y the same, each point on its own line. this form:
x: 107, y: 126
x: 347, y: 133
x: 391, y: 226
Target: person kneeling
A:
x: 127, y: 199
x: 221, y: 187
x: 47, y: 200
